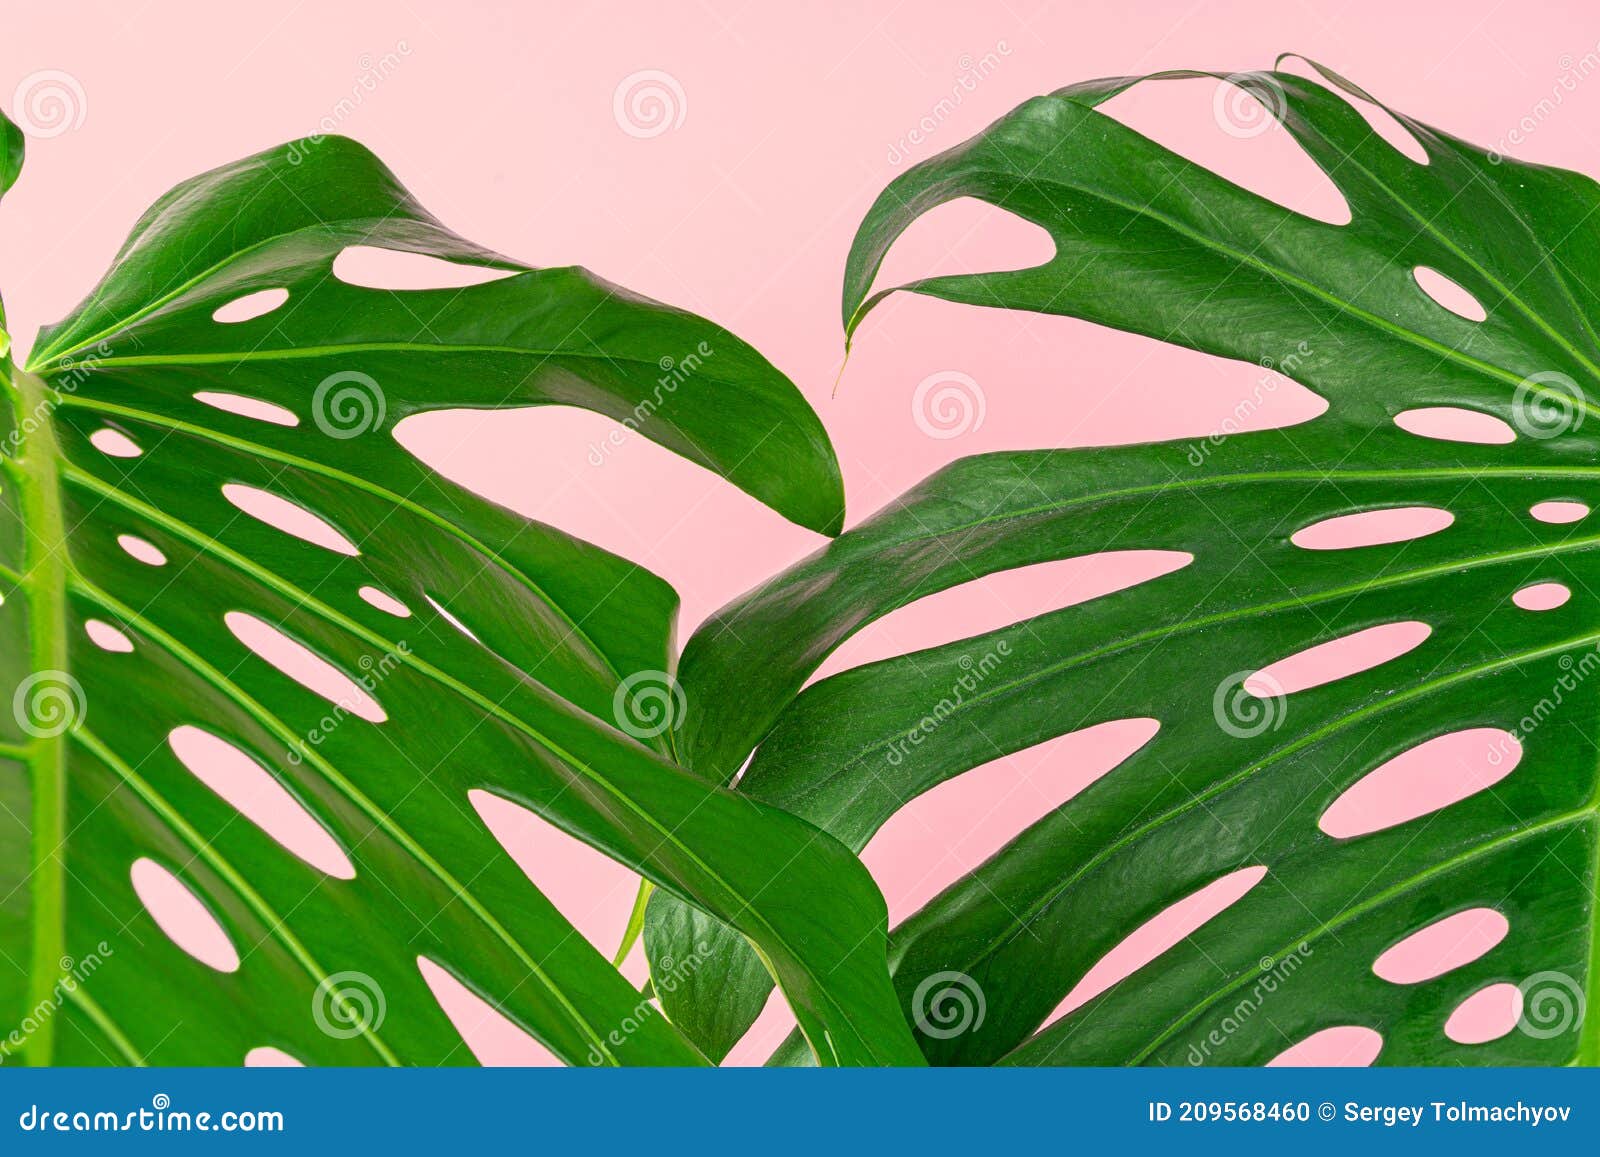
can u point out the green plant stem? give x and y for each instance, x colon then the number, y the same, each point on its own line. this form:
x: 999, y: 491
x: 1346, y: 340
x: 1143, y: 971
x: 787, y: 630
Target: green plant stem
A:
x: 630, y: 934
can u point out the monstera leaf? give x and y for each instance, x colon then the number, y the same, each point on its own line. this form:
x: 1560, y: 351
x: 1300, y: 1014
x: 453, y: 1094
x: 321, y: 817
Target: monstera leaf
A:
x: 148, y: 593
x: 1236, y: 779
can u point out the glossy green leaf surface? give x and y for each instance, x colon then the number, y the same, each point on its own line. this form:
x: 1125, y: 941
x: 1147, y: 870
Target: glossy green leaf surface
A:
x: 505, y: 669
x: 1149, y: 242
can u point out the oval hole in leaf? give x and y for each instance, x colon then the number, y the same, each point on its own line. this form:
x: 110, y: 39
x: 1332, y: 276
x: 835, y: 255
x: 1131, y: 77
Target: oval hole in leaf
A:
x: 114, y: 443
x: 289, y: 517
x: 1542, y: 596
x: 107, y: 637
x: 138, y: 548
x: 1442, y: 946
x: 1559, y: 513
x: 303, y: 665
x: 1159, y: 933
x: 1444, y: 770
x: 1449, y: 294
x: 267, y: 1057
x: 179, y: 913
x: 1486, y: 1015
x: 488, y: 1033
x: 260, y: 798
x: 1337, y: 659
x: 1455, y: 424
x: 998, y: 600
x: 594, y: 892
x: 953, y: 827
x: 385, y: 602
x: 248, y: 407
x: 250, y: 306
x: 1347, y: 1046
x: 372, y: 267
x: 1372, y: 528
x: 1224, y: 128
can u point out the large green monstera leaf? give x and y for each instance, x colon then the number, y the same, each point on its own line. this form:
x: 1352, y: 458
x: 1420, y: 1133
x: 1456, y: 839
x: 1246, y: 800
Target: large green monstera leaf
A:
x: 495, y: 653
x: 1233, y: 780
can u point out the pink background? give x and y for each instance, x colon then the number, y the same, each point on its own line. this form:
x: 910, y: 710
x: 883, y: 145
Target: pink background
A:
x: 500, y: 118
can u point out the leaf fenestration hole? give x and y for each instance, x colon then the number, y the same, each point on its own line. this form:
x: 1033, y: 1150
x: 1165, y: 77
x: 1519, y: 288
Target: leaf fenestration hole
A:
x: 452, y: 620
x: 182, y: 915
x: 141, y: 550
x: 304, y: 666
x: 1347, y: 1046
x: 999, y: 600
x: 1449, y: 294
x: 1559, y: 513
x: 385, y: 602
x: 114, y: 443
x: 260, y: 798
x: 107, y: 637
x: 1372, y: 528
x: 289, y: 517
x: 1234, y: 132
x: 488, y: 1033
x: 1337, y: 659
x: 1486, y: 1015
x: 373, y: 267
x: 955, y: 826
x: 1432, y: 775
x: 1162, y: 931
x: 1442, y: 946
x: 593, y: 891
x: 248, y: 407
x: 1542, y: 596
x: 250, y: 306
x: 267, y: 1057
x: 1456, y: 424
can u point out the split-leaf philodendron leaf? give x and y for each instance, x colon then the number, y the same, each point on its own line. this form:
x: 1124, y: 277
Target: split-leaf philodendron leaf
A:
x: 525, y: 703
x: 1148, y: 242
